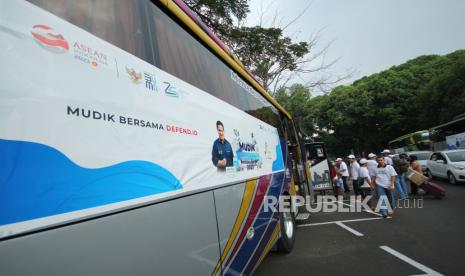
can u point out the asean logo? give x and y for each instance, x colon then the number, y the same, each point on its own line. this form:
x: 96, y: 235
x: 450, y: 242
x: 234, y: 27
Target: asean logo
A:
x: 49, y: 39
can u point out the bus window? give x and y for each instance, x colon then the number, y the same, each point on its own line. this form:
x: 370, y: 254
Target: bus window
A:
x: 121, y: 23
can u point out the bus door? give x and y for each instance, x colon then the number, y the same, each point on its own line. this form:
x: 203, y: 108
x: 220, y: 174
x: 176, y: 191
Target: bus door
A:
x: 297, y: 160
x: 319, y: 166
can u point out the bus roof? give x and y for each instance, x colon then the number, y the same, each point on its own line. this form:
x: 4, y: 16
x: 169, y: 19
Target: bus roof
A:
x: 220, y: 49
x: 407, y: 135
x: 457, y: 120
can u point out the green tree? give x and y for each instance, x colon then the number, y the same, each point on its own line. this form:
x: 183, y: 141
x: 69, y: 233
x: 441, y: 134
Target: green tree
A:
x: 366, y: 115
x: 267, y: 53
x: 444, y: 95
x: 293, y: 99
x: 220, y: 15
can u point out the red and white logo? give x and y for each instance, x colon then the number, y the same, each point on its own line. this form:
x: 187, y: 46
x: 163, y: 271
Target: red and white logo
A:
x: 49, y: 39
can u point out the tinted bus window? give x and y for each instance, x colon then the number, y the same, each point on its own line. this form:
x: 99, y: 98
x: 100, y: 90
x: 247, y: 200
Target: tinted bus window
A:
x: 121, y: 23
x: 143, y: 29
x: 178, y: 53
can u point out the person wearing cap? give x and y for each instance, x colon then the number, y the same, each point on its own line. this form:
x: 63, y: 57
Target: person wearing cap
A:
x: 354, y: 168
x: 367, y: 185
x: 387, y: 159
x: 343, y: 172
x: 384, y: 179
x: 372, y: 164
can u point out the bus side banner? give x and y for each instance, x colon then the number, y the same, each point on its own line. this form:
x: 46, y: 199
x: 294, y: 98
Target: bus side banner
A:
x: 87, y: 128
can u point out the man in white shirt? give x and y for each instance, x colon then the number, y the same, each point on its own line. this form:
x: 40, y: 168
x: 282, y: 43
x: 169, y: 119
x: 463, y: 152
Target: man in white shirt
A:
x: 387, y: 159
x: 385, y: 178
x: 372, y: 164
x: 343, y: 172
x: 367, y: 185
x: 354, y: 169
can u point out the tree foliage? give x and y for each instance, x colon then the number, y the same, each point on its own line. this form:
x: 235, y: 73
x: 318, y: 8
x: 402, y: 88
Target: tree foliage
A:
x: 220, y: 15
x: 365, y: 116
x: 266, y: 52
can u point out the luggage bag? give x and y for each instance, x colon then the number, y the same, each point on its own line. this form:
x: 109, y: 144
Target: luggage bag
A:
x: 433, y: 189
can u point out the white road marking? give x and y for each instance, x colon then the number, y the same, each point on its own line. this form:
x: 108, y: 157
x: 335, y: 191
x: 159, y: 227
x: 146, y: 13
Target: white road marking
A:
x: 334, y: 222
x: 349, y: 205
x: 353, y: 231
x: 302, y: 216
x: 365, y: 210
x: 411, y: 262
x: 373, y: 213
x: 323, y: 202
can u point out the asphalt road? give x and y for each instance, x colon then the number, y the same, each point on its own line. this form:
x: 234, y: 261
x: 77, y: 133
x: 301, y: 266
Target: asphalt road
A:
x: 416, y: 241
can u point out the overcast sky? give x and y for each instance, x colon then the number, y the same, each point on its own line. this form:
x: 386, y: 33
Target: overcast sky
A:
x: 372, y: 35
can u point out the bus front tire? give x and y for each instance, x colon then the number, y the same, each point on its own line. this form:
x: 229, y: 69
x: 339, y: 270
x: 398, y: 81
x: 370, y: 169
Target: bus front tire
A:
x: 286, y: 242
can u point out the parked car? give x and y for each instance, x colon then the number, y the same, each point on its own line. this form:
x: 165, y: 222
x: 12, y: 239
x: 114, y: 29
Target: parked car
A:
x: 423, y: 156
x: 448, y: 164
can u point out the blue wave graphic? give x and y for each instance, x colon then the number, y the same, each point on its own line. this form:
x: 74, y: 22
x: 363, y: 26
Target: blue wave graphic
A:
x: 38, y: 181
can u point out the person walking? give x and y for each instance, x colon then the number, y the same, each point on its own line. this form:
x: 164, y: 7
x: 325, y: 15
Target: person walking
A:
x: 339, y: 185
x: 387, y: 159
x: 367, y: 185
x: 333, y: 169
x: 414, y: 165
x: 384, y: 179
x: 372, y: 164
x: 344, y: 173
x: 354, y: 169
x: 401, y: 166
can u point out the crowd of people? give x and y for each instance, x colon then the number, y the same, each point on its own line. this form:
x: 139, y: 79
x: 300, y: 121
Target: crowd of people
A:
x: 383, y: 175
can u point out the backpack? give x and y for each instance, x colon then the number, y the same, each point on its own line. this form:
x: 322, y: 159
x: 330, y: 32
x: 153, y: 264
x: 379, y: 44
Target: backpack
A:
x: 400, y: 165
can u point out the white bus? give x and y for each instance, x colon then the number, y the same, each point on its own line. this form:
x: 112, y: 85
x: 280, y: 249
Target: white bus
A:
x: 132, y: 143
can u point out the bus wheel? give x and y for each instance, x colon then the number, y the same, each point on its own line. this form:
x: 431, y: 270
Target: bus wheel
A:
x: 286, y: 241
